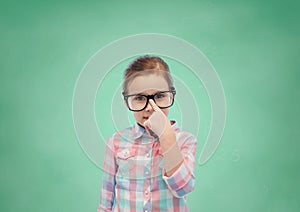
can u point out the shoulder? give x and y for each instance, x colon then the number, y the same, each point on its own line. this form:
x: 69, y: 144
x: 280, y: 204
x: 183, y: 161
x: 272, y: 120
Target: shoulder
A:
x: 187, y: 143
x: 184, y: 137
x: 182, y: 134
x: 119, y: 136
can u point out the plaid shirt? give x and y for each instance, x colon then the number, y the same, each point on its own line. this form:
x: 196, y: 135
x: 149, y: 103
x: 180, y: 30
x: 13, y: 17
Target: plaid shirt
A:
x: 134, y: 178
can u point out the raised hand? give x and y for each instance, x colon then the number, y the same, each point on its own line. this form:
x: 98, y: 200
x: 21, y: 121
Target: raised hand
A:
x: 157, y: 122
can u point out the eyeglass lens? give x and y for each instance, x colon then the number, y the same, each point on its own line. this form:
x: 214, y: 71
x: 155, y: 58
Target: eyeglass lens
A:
x: 138, y: 102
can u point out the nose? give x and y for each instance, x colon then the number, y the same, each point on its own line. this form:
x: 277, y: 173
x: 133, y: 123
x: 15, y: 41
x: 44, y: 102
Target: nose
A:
x: 148, y: 108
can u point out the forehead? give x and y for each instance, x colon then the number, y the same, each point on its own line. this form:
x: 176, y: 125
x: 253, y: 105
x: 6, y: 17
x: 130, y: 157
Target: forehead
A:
x: 148, y: 84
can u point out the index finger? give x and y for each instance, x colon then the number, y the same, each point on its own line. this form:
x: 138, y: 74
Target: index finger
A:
x: 154, y: 106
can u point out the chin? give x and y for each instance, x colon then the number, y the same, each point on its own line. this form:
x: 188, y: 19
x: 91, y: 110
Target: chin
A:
x: 141, y: 123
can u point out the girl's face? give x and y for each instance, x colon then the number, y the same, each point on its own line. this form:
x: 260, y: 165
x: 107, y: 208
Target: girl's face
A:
x: 148, y: 85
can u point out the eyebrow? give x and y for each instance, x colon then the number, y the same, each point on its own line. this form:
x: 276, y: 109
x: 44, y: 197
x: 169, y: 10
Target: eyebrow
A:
x: 142, y: 93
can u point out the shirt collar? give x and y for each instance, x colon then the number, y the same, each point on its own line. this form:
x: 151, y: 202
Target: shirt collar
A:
x: 139, y: 130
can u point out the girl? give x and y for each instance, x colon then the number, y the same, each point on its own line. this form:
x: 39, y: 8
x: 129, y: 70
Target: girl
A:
x: 148, y: 166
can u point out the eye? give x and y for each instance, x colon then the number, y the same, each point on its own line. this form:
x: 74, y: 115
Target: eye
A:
x: 160, y: 95
x: 139, y: 98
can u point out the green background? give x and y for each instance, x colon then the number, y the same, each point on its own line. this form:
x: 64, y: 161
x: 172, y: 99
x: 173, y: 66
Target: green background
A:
x: 254, y: 47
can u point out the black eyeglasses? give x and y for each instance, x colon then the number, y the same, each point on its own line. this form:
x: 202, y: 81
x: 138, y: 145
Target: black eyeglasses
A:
x: 138, y: 102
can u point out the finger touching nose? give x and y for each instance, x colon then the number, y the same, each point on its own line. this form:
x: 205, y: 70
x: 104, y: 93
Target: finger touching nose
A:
x: 153, y: 105
x: 149, y: 107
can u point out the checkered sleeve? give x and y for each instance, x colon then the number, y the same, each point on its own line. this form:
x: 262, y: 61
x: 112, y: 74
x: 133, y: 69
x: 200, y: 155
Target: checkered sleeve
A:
x: 182, y: 181
x: 107, y: 193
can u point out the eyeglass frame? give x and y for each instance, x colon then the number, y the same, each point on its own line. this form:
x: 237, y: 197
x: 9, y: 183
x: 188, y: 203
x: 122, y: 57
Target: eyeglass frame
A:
x: 173, y: 91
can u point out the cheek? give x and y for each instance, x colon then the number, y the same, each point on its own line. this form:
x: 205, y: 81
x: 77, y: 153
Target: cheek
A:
x: 137, y: 115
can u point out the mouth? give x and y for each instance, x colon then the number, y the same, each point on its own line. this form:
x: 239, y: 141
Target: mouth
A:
x: 145, y: 118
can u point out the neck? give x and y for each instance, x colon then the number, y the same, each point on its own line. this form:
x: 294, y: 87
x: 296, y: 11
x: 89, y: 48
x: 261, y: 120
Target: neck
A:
x: 140, y: 125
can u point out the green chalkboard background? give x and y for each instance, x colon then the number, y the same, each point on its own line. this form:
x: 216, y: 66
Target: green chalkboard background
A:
x: 254, y: 47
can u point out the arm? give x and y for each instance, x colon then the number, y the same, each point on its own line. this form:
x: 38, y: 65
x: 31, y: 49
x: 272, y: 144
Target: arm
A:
x: 181, y: 179
x: 161, y: 126
x: 107, y: 194
x: 172, y: 155
x: 179, y: 153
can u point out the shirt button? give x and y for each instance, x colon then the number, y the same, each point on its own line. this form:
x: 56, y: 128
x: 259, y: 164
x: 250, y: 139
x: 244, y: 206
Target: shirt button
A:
x: 147, y: 155
x: 147, y: 173
x: 146, y: 192
x: 146, y: 210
